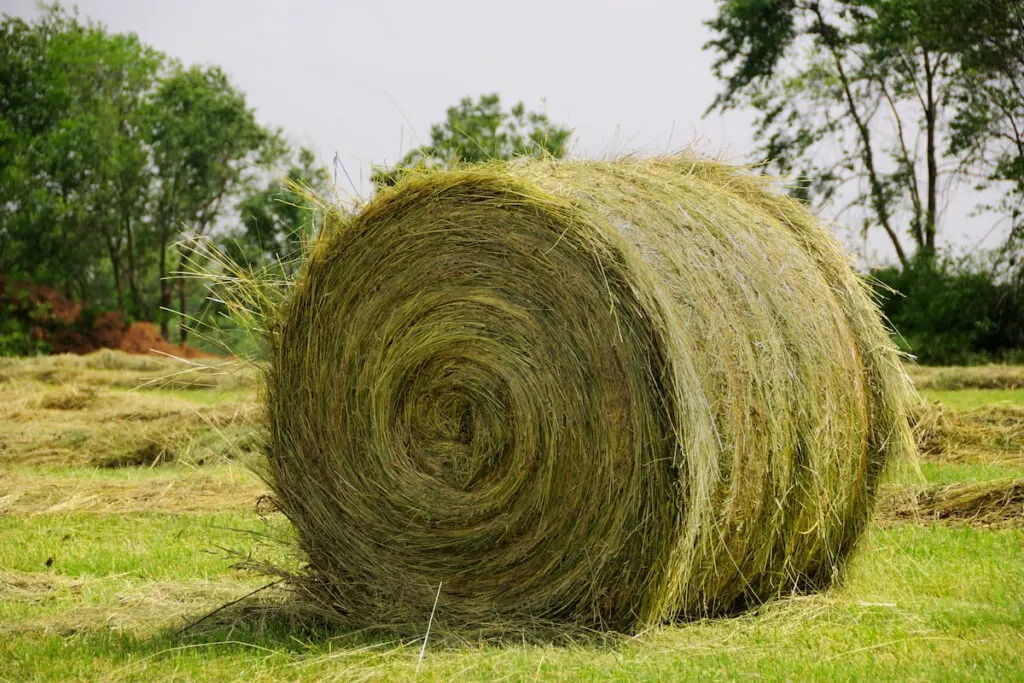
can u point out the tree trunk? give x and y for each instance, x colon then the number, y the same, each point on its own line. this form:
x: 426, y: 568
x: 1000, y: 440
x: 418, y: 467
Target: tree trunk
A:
x: 205, y: 217
x: 181, y: 284
x: 113, y: 254
x: 931, y: 116
x: 182, y: 303
x: 115, y: 264
x: 878, y: 199
x: 165, y: 287
x: 133, y: 279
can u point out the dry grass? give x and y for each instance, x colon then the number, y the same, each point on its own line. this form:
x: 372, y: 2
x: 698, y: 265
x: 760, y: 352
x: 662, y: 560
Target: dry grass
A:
x: 72, y: 397
x: 605, y: 393
x: 971, y: 377
x: 91, y: 422
x: 108, y: 368
x: 919, y: 604
x: 222, y: 489
x: 128, y: 606
x: 992, y: 435
x: 996, y: 504
x: 138, y: 552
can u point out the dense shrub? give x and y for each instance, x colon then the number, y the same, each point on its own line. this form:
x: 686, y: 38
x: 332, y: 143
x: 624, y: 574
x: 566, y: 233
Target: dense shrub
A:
x: 953, y: 312
x: 37, y: 319
x: 16, y: 337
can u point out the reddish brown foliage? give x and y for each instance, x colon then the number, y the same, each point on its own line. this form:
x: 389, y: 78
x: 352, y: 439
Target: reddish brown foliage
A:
x: 67, y: 327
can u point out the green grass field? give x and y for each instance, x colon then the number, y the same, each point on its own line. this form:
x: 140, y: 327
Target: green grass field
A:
x: 104, y: 559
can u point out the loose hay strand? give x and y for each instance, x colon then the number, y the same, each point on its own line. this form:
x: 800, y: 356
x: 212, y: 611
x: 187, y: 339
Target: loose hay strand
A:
x: 601, y: 393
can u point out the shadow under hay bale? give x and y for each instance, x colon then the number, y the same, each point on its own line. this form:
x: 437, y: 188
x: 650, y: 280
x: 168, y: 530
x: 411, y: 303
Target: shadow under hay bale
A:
x: 609, y: 394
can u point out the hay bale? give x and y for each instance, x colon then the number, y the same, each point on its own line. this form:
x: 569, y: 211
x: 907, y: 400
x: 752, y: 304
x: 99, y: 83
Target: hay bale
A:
x: 605, y: 393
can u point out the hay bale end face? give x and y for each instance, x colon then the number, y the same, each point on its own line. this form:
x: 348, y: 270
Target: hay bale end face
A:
x: 606, y: 393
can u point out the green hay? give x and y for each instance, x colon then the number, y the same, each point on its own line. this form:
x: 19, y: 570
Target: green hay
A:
x: 95, y: 423
x: 106, y: 367
x: 610, y: 394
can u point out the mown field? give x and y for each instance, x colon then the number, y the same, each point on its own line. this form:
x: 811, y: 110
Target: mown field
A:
x: 127, y: 502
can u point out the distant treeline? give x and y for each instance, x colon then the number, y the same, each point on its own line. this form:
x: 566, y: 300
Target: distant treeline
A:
x: 117, y: 160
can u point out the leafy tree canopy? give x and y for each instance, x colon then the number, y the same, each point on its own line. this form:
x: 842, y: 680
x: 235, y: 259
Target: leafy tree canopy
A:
x: 114, y: 161
x: 894, y: 102
x: 478, y: 131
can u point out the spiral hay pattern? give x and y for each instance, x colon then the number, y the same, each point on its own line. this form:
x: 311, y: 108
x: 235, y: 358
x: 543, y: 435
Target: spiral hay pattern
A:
x: 602, y: 393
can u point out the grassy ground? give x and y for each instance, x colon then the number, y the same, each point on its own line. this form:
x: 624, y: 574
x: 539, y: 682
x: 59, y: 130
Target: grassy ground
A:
x: 124, y: 511
x: 964, y: 399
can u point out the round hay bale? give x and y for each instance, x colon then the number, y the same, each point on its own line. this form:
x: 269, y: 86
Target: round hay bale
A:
x: 606, y: 393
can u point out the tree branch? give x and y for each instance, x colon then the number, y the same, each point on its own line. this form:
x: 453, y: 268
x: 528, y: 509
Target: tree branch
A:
x: 879, y: 201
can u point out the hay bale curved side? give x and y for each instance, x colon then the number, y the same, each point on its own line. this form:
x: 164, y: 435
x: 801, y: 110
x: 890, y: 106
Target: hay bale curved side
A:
x: 611, y: 393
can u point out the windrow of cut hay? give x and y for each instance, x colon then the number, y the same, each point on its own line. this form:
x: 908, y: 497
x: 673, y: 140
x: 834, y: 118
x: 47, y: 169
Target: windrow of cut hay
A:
x: 992, y: 435
x: 998, y: 503
x: 952, y: 378
x: 110, y: 409
x: 602, y: 393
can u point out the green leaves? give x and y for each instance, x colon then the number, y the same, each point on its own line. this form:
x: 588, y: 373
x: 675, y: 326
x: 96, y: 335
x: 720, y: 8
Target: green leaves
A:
x: 473, y: 132
x: 886, y: 101
x: 111, y: 158
x: 753, y: 36
x: 72, y: 145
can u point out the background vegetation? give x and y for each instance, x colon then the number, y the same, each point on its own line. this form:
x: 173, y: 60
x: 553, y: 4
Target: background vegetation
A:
x: 885, y: 107
x: 116, y: 160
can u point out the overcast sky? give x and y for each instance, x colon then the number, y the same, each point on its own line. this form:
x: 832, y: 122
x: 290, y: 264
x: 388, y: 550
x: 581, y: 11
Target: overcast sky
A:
x: 367, y: 79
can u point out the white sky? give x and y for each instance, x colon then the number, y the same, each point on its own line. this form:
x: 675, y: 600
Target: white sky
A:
x: 367, y: 79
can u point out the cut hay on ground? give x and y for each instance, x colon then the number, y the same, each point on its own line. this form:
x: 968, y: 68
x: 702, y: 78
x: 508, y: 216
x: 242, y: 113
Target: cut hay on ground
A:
x: 89, y: 420
x: 971, y: 377
x: 107, y: 368
x: 991, y: 435
x: 997, y: 503
x: 223, y: 489
x: 605, y: 393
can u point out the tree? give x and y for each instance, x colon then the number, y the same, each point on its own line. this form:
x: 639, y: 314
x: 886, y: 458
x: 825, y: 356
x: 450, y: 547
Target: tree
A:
x: 73, y: 161
x: 473, y: 132
x: 871, y: 94
x: 279, y: 218
x: 205, y: 139
x: 114, y: 160
x: 988, y: 129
